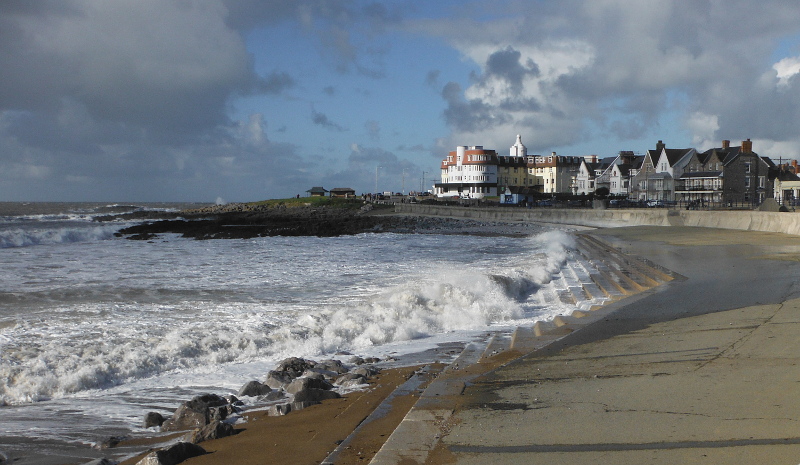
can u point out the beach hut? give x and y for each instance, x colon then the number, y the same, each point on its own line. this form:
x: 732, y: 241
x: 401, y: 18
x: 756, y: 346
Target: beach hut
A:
x: 317, y: 191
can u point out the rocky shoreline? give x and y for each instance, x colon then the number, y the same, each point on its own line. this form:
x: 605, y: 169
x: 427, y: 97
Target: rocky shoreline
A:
x: 243, y: 221
x: 295, y: 384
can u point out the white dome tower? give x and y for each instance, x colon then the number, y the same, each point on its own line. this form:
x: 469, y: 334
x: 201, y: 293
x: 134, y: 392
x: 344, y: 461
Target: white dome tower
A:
x: 518, y: 150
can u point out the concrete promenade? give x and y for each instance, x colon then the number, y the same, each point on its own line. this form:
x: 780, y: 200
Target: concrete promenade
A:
x: 788, y: 223
x: 698, y: 370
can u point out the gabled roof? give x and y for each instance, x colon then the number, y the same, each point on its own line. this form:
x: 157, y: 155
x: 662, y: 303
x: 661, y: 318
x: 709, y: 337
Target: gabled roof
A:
x: 675, y: 155
x: 341, y: 189
x: 787, y: 176
x: 317, y: 190
x: 726, y: 155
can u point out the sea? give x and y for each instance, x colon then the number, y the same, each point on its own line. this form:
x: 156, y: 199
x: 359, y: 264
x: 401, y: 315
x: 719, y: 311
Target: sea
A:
x: 97, y: 330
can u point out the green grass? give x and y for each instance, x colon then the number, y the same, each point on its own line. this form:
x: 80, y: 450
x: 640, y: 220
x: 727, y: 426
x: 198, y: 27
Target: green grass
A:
x: 312, y: 201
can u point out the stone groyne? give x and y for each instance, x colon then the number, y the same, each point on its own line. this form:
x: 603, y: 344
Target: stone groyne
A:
x: 788, y: 223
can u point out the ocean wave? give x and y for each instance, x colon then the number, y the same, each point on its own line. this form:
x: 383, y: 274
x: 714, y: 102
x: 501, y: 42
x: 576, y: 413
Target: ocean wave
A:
x: 89, y: 346
x: 24, y: 237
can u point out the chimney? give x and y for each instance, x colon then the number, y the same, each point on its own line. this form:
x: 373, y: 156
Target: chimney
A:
x: 747, y: 146
x: 660, y: 146
x: 726, y: 144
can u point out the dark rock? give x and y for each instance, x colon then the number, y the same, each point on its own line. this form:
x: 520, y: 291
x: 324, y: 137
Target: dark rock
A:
x: 173, y: 455
x: 233, y: 400
x: 198, y: 412
x: 335, y: 366
x: 351, y: 379
x: 103, y: 461
x: 110, y: 442
x: 314, y: 395
x: 214, y: 430
x: 317, y: 374
x: 367, y: 371
x: 254, y: 389
x: 277, y: 379
x: 286, y: 408
x: 153, y: 419
x: 300, y: 384
x: 295, y: 366
x: 356, y: 360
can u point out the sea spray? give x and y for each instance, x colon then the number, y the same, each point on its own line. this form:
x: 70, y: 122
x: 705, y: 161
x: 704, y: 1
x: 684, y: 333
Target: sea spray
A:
x: 147, y: 310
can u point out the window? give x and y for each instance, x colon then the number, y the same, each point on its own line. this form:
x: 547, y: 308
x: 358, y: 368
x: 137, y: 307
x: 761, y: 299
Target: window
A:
x: 747, y: 167
x: 747, y: 181
x: 761, y: 182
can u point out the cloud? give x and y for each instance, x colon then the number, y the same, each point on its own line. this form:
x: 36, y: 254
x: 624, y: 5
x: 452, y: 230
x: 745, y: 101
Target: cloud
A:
x: 564, y: 72
x: 321, y: 119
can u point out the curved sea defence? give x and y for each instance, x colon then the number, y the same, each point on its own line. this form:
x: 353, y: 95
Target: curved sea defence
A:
x: 787, y: 223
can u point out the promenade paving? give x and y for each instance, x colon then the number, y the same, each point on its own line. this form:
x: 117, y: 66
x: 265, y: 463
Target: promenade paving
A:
x: 716, y: 388
x: 699, y: 370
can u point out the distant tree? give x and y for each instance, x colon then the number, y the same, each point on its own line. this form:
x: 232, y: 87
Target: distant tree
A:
x: 601, y: 192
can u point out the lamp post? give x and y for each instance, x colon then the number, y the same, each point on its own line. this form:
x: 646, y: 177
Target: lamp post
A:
x: 376, y: 180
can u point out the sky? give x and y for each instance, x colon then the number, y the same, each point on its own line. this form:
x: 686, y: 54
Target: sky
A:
x: 243, y: 100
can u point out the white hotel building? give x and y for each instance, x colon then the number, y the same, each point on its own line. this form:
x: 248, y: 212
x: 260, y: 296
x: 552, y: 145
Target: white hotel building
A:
x: 468, y: 172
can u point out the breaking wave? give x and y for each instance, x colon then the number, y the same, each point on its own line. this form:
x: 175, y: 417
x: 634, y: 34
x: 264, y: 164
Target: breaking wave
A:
x: 100, y: 344
x: 25, y: 237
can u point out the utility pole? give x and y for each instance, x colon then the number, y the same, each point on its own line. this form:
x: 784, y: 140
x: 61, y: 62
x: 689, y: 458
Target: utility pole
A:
x: 404, y: 181
x: 422, y: 184
x: 376, y: 180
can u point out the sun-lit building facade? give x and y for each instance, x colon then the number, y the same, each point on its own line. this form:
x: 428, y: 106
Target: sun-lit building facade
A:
x: 468, y: 172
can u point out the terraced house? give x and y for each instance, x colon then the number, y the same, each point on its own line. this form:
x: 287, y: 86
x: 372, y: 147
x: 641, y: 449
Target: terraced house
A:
x: 731, y: 175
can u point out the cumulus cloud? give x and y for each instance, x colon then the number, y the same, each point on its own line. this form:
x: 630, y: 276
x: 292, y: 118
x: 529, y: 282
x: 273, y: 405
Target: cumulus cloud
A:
x: 564, y: 72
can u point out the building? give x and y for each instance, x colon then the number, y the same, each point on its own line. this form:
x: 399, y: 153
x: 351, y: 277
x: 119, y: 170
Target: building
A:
x: 746, y: 175
x: 660, y: 169
x: 786, y: 187
x: 317, y: 191
x: 552, y: 174
x: 343, y: 192
x: 588, y: 171
x: 468, y: 172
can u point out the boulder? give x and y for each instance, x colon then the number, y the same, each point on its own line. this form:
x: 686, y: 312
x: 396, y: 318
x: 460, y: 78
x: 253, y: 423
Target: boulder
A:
x: 351, y: 379
x: 301, y: 384
x: 103, y: 461
x: 367, y: 371
x: 172, y: 455
x: 111, y: 441
x: 153, y: 419
x: 314, y: 395
x: 285, y: 408
x: 254, y: 389
x: 198, y: 412
x: 335, y: 366
x: 277, y: 379
x: 355, y: 360
x: 317, y: 374
x: 214, y: 430
x: 295, y: 366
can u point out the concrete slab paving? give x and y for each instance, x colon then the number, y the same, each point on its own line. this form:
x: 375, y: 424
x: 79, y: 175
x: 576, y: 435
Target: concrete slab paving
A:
x: 708, y: 383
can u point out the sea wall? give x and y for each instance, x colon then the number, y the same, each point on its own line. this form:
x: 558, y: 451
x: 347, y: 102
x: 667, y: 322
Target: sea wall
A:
x: 788, y: 223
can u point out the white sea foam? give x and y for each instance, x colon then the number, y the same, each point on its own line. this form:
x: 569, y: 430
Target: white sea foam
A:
x: 94, y: 341
x: 24, y: 237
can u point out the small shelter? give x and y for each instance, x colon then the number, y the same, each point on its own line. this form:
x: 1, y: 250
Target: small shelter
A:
x: 344, y: 192
x: 317, y: 191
